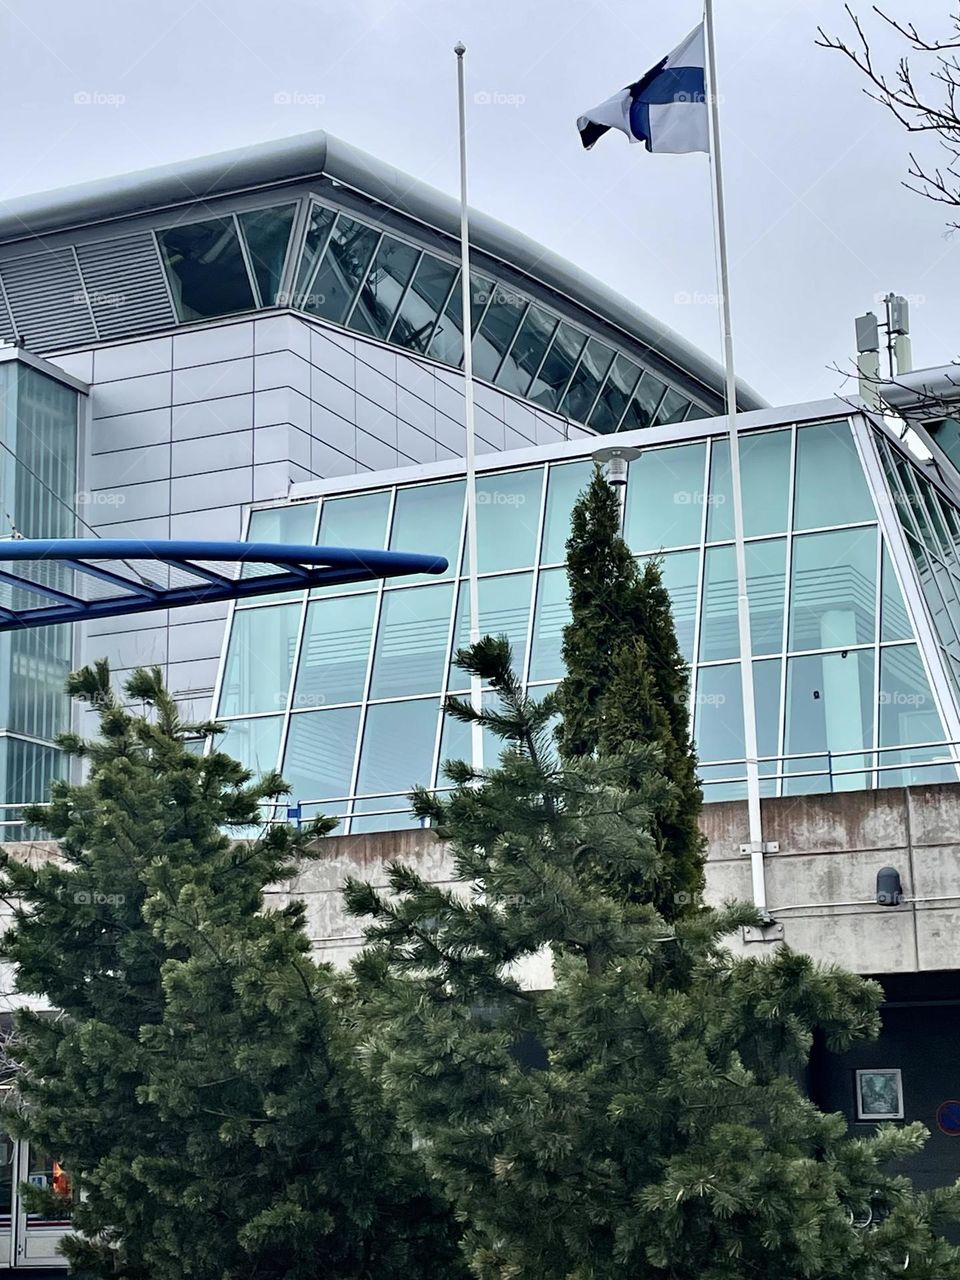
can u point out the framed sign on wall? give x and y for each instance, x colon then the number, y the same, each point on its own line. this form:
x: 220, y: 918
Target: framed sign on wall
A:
x: 879, y: 1094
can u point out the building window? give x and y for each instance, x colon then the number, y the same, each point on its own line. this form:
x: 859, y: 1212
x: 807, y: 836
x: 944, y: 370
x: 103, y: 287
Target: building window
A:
x: 205, y: 268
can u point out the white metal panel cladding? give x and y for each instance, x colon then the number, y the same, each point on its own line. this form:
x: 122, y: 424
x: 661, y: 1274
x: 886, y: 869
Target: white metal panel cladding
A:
x: 48, y: 300
x: 125, y: 285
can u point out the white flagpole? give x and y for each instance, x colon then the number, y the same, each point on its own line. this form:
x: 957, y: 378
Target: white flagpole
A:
x: 743, y: 602
x: 476, y: 731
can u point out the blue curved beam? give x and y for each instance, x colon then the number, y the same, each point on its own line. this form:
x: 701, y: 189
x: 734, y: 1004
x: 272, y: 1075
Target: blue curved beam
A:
x: 297, y: 568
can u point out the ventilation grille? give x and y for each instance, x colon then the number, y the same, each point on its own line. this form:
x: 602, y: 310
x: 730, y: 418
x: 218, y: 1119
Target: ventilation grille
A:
x: 47, y: 299
x: 125, y: 286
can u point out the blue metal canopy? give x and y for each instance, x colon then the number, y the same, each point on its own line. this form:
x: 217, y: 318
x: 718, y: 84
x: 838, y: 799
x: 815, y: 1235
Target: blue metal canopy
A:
x: 49, y: 580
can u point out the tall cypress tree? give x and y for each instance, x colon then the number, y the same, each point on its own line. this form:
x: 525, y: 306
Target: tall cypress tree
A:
x: 627, y: 681
x: 665, y: 1137
x: 201, y: 1084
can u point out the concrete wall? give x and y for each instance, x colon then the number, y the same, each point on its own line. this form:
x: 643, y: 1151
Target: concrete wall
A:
x: 187, y: 429
x: 820, y: 885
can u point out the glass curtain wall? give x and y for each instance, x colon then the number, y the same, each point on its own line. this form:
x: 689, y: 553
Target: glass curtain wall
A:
x: 352, y: 273
x: 342, y: 690
x: 38, y: 481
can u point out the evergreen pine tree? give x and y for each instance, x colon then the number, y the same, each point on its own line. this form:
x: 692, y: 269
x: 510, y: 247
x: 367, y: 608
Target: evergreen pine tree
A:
x: 667, y: 1137
x: 626, y: 681
x: 201, y: 1084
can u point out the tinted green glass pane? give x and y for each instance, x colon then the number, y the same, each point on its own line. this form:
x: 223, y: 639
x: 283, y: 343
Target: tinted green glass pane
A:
x: 318, y: 761
x: 766, y: 581
x: 834, y: 588
x: 259, y: 660
x: 359, y: 521
x: 551, y: 617
x: 383, y: 288
x: 412, y: 642
x: 508, y: 519
x: 558, y: 365
x: 673, y: 408
x: 830, y: 701
x: 427, y: 520
x: 565, y: 483
x: 290, y: 525
x: 267, y: 234
x: 447, y: 341
x: 497, y: 329
x: 336, y: 645
x: 349, y: 250
x: 765, y: 477
x: 719, y: 729
x: 504, y: 610
x: 423, y: 303
x: 939, y: 613
x: 909, y: 718
x: 525, y: 356
x: 830, y: 486
x: 254, y: 743
x: 397, y: 754
x: 894, y: 620
x: 644, y: 403
x: 319, y: 221
x: 665, y: 498
x: 680, y: 573
x: 205, y: 268
x: 617, y: 390
x: 585, y: 387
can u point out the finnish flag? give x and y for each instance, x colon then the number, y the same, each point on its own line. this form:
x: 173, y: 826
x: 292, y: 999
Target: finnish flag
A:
x: 667, y: 109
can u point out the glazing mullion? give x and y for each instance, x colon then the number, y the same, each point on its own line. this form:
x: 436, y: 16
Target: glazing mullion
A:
x: 403, y: 297
x: 781, y: 747
x: 368, y: 678
x: 440, y: 314
x: 363, y: 280
x: 321, y: 253
x: 295, y: 246
x: 512, y: 343
x: 535, y: 586
x: 602, y: 388
x: 569, y: 383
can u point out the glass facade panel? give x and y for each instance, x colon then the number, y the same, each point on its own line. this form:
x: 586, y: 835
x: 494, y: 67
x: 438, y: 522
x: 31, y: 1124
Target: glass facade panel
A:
x: 319, y: 221
x: 259, y: 660
x: 619, y: 387
x: 318, y: 761
x: 719, y: 728
x: 398, y: 747
x: 504, y: 610
x: 255, y: 743
x: 423, y: 303
x: 552, y: 615
x: 383, y: 288
x: 673, y: 408
x: 358, y: 521
x: 644, y: 403
x: 447, y: 341
x: 500, y: 322
x: 766, y: 583
x: 508, y: 519
x: 909, y: 716
x: 680, y: 573
x: 349, y: 249
x: 526, y: 354
x: 894, y: 621
x: 427, y: 520
x: 292, y: 525
x: 593, y: 368
x: 266, y: 234
x: 412, y: 642
x: 565, y: 483
x: 830, y: 486
x: 665, y: 497
x: 334, y: 653
x: 833, y: 595
x: 456, y: 742
x: 830, y: 701
x: 765, y: 477
x: 205, y: 269
x: 558, y: 366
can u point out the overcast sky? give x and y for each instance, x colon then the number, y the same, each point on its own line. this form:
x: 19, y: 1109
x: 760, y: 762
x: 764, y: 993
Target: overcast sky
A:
x: 820, y: 226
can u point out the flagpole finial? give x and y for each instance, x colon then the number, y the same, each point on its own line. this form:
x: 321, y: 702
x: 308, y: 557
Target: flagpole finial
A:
x: 459, y: 48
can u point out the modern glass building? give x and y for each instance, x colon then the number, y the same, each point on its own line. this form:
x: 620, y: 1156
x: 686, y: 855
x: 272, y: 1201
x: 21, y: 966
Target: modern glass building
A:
x: 853, y: 575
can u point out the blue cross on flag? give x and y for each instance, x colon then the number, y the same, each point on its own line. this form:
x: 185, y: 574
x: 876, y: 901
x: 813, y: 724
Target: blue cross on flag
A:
x: 667, y: 109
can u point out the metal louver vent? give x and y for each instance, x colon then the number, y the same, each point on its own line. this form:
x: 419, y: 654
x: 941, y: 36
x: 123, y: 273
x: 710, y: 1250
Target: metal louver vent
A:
x: 125, y: 285
x: 47, y: 299
x: 6, y: 322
